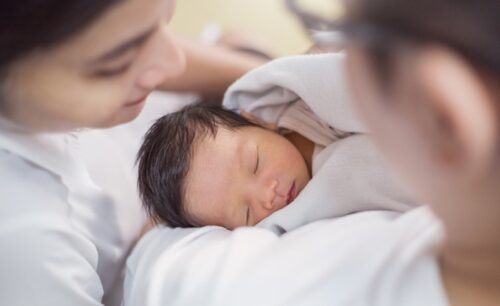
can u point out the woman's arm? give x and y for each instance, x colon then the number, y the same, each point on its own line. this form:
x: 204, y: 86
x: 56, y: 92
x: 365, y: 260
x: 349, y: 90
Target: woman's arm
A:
x: 210, y: 69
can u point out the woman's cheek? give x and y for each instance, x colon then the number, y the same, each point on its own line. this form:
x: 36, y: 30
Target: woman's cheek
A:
x: 98, y: 106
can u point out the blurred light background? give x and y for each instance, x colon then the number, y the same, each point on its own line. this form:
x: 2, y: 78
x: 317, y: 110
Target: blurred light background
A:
x: 269, y: 20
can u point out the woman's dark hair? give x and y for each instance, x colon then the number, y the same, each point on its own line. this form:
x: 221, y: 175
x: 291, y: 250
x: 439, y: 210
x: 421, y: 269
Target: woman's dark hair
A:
x: 165, y: 155
x: 28, y: 25
x: 469, y: 27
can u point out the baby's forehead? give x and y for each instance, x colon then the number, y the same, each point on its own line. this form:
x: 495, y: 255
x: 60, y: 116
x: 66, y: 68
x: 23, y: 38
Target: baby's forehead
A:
x: 213, y: 157
x: 211, y: 175
x: 218, y: 157
x: 208, y: 145
x: 223, y: 131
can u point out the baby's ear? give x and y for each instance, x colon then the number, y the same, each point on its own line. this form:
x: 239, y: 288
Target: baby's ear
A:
x: 258, y: 121
x: 462, y: 100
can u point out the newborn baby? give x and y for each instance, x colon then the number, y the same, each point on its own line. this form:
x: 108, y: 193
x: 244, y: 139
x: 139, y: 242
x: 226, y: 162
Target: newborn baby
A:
x: 205, y: 165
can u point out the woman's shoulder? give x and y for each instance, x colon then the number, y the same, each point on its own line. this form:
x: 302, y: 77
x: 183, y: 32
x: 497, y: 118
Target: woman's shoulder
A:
x: 33, y: 201
x: 34, y: 221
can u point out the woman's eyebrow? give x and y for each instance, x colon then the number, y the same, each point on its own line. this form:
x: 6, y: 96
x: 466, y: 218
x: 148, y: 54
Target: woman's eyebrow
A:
x: 126, y: 46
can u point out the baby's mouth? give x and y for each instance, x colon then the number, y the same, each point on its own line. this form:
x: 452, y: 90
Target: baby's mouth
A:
x: 292, y: 194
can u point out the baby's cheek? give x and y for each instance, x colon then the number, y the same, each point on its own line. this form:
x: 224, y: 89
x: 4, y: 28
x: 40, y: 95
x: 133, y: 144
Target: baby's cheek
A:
x: 263, y: 215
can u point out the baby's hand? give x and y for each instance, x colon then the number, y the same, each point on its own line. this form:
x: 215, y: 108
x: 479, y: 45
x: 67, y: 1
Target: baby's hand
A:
x: 257, y: 120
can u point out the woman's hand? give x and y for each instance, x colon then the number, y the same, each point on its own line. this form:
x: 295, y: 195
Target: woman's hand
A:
x: 210, y: 70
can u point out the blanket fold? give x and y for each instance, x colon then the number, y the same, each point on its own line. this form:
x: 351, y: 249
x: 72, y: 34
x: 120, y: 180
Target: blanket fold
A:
x: 318, y: 80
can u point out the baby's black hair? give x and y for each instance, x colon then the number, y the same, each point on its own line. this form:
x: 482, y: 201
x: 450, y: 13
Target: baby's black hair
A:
x: 165, y: 155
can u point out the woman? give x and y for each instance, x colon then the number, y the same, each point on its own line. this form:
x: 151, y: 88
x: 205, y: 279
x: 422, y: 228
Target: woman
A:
x: 67, y: 220
x: 427, y: 74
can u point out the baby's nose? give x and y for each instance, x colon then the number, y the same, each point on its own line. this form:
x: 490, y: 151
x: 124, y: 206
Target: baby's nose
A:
x: 269, y: 194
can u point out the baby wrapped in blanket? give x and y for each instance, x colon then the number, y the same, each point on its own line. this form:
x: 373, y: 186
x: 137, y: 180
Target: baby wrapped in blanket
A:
x: 232, y: 178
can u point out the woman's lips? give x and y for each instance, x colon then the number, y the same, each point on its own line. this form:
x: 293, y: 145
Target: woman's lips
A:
x: 292, y: 194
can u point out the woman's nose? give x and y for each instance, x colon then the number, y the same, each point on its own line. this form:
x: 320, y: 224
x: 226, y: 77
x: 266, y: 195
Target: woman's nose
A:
x: 163, y: 59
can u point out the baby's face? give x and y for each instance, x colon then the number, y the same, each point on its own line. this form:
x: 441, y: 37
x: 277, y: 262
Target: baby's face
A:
x: 240, y: 177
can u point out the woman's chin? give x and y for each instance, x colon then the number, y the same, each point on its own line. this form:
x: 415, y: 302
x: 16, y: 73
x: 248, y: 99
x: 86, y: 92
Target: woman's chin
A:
x: 125, y: 115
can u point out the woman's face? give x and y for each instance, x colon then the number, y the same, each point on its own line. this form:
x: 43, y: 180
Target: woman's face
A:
x: 98, y: 78
x: 403, y: 123
x: 434, y: 118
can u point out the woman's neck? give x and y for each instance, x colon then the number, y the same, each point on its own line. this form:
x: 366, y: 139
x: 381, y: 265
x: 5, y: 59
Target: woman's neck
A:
x: 470, y: 255
x: 471, y: 278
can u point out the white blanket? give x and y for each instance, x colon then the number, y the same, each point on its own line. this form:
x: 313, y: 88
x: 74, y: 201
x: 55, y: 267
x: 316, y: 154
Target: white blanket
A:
x: 319, y: 80
x: 348, y: 175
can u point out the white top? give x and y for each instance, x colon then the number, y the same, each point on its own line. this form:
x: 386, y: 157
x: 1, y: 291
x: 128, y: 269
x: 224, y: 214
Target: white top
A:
x: 69, y: 215
x: 370, y: 258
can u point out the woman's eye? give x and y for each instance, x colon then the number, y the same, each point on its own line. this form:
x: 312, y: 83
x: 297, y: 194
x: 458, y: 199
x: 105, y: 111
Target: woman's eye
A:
x: 112, y: 72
